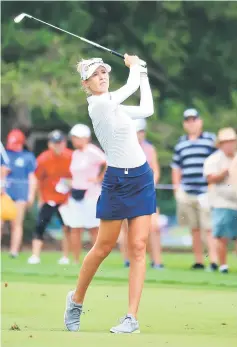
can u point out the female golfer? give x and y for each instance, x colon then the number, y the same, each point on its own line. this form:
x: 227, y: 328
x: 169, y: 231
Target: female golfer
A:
x: 128, y: 190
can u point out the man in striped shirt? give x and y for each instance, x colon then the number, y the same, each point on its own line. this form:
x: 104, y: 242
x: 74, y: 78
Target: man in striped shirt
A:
x: 190, y: 185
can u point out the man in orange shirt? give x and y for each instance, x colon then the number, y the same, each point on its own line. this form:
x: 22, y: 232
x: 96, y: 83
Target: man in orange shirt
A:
x: 53, y: 177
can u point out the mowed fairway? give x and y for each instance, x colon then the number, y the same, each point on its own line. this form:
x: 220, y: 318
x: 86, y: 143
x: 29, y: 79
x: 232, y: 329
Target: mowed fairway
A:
x: 179, y: 307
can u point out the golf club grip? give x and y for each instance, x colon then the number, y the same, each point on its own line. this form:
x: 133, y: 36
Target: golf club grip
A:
x: 142, y: 63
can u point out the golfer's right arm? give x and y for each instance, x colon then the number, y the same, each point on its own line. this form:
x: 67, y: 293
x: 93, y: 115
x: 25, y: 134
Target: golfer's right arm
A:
x: 146, y: 108
x: 133, y: 82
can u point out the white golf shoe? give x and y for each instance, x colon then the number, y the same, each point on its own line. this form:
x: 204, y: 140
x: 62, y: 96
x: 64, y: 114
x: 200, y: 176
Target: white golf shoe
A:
x: 128, y: 325
x: 72, y: 313
x: 64, y: 261
x: 33, y: 260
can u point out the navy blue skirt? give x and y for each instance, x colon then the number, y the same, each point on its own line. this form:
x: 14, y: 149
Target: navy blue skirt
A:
x: 127, y: 193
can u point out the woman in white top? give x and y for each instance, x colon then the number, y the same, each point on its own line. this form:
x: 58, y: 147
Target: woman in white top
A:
x: 128, y: 190
x: 87, y: 169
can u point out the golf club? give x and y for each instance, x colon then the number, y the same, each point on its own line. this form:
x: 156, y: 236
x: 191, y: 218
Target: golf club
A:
x: 21, y: 16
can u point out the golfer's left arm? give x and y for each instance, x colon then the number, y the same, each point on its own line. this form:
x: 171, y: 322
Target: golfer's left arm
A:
x: 146, y: 108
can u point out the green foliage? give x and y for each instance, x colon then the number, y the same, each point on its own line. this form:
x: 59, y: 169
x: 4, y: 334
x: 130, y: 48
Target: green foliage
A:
x: 190, y: 48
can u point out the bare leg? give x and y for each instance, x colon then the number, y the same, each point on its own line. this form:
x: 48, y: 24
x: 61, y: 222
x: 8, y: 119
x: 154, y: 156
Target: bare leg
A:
x: 76, y: 234
x: 1, y: 227
x: 139, y: 228
x: 123, y: 241
x: 37, y: 247
x: 105, y: 242
x: 197, y: 245
x: 93, y: 235
x: 17, y: 228
x: 211, y: 245
x: 154, y: 240
x: 222, y: 251
x: 66, y: 241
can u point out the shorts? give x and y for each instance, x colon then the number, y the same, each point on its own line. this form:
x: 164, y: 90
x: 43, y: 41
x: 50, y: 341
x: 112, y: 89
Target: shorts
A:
x: 127, y: 193
x: 224, y: 221
x: 191, y: 212
x: 18, y: 192
x: 80, y: 214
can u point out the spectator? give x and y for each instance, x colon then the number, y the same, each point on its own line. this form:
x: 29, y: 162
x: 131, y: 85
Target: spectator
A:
x: 18, y: 172
x: 87, y: 169
x: 222, y: 193
x: 233, y: 173
x: 8, y: 210
x: 53, y: 189
x: 190, y: 185
x: 233, y: 178
x: 154, y: 243
x: 4, y: 166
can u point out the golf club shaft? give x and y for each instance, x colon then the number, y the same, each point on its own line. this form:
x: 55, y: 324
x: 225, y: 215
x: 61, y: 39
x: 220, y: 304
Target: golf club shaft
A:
x: 79, y: 37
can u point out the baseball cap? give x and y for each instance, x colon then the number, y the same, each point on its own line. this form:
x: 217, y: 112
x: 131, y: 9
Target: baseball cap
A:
x: 56, y: 136
x: 87, y: 67
x: 226, y: 134
x: 140, y: 124
x: 15, y: 140
x: 191, y: 112
x: 80, y: 130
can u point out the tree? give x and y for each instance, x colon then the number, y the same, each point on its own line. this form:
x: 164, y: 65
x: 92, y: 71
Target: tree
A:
x: 190, y: 48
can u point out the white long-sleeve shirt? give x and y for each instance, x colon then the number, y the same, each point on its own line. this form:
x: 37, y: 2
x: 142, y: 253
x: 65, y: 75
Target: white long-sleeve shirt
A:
x: 113, y: 123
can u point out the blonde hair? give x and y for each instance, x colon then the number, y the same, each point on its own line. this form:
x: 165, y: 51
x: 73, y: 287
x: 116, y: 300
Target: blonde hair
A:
x: 83, y: 87
x: 78, y: 66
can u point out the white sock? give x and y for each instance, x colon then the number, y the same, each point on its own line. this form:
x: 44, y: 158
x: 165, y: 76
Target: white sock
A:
x: 223, y: 267
x: 14, y: 254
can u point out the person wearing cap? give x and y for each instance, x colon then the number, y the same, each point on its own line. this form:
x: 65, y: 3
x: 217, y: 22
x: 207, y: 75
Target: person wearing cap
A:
x: 233, y: 173
x: 8, y: 210
x: 87, y: 169
x: 220, y: 172
x: 233, y: 182
x: 128, y: 190
x: 190, y: 186
x: 53, y: 177
x: 154, y: 236
x: 19, y: 183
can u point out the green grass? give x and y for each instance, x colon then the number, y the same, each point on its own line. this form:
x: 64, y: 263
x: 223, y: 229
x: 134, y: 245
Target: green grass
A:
x: 179, y: 307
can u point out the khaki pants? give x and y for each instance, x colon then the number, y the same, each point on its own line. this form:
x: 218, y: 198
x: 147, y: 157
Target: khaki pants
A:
x: 193, y: 211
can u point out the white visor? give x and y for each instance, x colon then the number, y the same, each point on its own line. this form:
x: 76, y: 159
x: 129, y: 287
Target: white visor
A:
x: 87, y: 67
x: 80, y: 130
x: 140, y: 124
